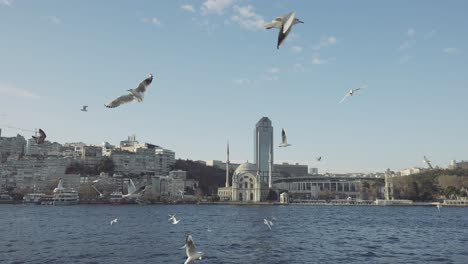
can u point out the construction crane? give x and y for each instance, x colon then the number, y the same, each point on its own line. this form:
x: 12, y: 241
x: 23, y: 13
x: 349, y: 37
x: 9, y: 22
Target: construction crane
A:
x: 428, y: 162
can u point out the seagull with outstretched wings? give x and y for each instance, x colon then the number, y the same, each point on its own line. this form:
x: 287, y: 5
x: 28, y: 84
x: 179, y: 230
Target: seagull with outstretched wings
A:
x: 192, y: 253
x: 352, y: 91
x: 136, y: 94
x: 284, y: 24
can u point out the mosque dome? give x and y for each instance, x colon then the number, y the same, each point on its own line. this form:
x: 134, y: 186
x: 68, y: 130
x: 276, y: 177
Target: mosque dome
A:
x: 246, y: 167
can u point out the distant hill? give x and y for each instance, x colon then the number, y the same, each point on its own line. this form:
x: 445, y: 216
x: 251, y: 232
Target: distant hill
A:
x: 210, y: 178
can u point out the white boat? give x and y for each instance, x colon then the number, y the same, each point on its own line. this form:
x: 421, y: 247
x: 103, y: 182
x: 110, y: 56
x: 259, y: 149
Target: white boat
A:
x: 65, y: 196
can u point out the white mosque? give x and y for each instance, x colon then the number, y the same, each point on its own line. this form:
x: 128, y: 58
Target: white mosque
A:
x: 249, y: 183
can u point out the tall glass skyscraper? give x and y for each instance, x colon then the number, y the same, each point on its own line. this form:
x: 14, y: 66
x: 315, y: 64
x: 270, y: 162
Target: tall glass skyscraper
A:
x: 263, y: 144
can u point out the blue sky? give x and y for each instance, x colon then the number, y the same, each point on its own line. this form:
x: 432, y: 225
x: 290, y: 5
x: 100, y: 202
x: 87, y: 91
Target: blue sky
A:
x: 217, y: 72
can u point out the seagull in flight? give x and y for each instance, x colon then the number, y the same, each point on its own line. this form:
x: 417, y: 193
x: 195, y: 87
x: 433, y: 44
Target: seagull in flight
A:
x: 352, y: 91
x: 173, y: 219
x: 268, y: 223
x: 84, y: 109
x: 113, y: 221
x: 136, y: 94
x: 190, y: 250
x: 132, y: 191
x: 284, y: 141
x: 284, y: 23
x: 40, y: 139
x: 438, y: 205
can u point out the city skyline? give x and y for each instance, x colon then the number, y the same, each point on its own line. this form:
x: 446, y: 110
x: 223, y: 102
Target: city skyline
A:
x: 55, y: 60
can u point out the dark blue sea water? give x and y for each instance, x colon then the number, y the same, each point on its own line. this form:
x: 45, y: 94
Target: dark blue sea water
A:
x: 301, y: 234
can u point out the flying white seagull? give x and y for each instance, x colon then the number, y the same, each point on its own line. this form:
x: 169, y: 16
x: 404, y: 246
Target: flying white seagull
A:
x: 438, y: 205
x: 284, y: 141
x: 351, y: 92
x: 136, y: 94
x: 284, y: 23
x: 190, y: 250
x: 113, y: 221
x: 132, y: 191
x: 268, y: 223
x: 84, y: 109
x: 173, y: 219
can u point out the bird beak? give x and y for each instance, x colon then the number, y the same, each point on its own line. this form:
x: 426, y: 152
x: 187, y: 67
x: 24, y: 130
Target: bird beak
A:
x: 300, y: 21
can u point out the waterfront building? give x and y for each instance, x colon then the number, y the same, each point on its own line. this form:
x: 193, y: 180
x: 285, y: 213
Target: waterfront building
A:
x: 286, y: 170
x: 263, y: 144
x: 221, y: 165
x: 410, y: 171
x: 313, y: 171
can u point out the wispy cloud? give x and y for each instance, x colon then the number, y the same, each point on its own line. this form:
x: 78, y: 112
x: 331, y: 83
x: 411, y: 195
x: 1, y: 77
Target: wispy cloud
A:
x: 451, y: 50
x: 155, y: 21
x: 431, y: 34
x: 325, y: 42
x: 188, y: 8
x: 52, y: 19
x: 246, y: 17
x: 405, y: 59
x: 242, y: 81
x: 317, y: 60
x: 215, y: 6
x: 296, y: 49
x: 406, y: 45
x: 9, y: 90
x: 6, y: 2
x: 411, y: 32
x: 274, y: 70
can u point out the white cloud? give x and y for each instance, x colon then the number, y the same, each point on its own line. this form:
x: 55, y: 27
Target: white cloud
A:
x: 451, y: 50
x: 325, y: 42
x: 406, y: 45
x: 274, y: 70
x: 216, y: 6
x: 317, y: 60
x: 404, y: 59
x: 154, y: 21
x: 6, y: 2
x: 411, y: 32
x: 16, y: 92
x: 296, y: 49
x: 188, y: 8
x: 247, y: 18
x: 53, y: 19
x: 242, y: 81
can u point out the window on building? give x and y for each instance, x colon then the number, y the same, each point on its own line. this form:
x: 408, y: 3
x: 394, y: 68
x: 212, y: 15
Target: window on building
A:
x: 246, y: 185
x: 251, y: 196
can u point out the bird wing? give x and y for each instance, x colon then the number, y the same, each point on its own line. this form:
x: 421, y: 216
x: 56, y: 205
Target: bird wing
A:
x: 273, y: 24
x: 42, y: 136
x: 360, y: 87
x: 121, y: 100
x: 288, y: 21
x: 344, y: 98
x: 283, y: 137
x: 143, y: 85
x: 189, y: 246
x: 131, y: 187
x: 282, y: 35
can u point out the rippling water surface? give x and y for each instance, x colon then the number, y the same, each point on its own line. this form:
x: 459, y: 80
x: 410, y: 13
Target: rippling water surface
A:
x: 301, y: 234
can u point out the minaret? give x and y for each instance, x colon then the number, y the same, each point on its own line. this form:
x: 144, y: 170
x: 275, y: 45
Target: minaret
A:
x: 227, y: 167
x: 270, y: 167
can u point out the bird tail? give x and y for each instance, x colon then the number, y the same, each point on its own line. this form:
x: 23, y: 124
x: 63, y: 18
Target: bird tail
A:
x: 268, y: 25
